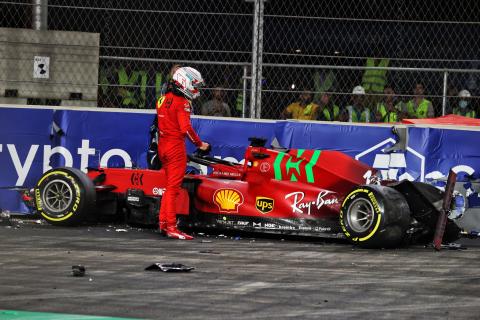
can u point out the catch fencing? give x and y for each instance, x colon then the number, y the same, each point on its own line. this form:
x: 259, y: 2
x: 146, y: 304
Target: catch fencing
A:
x: 259, y: 54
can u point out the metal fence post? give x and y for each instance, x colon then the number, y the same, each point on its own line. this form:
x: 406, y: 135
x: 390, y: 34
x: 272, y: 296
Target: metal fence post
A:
x: 257, y: 51
x: 39, y: 14
x: 444, y: 99
x: 244, y: 91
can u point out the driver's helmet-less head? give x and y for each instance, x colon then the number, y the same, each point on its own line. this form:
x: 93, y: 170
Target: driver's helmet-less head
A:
x: 187, y: 81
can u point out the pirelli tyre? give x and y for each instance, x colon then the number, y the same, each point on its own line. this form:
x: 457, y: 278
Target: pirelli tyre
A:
x: 375, y: 217
x: 65, y: 196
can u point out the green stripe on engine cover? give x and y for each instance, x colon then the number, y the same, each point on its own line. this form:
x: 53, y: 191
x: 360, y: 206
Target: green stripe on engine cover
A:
x: 310, y: 164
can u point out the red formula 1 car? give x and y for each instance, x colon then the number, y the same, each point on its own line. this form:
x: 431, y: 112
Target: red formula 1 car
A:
x: 299, y: 192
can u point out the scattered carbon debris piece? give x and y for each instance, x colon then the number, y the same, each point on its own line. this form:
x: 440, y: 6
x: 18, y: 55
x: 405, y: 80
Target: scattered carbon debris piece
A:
x: 78, y: 271
x: 236, y: 238
x: 206, y: 241
x: 449, y: 246
x: 454, y: 246
x: 5, y: 214
x: 209, y: 251
x: 473, y: 234
x: 38, y: 221
x: 169, y: 267
x: 5, y: 219
x: 121, y: 230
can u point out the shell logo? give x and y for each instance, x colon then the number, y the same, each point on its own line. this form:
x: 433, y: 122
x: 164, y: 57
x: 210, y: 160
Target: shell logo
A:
x: 228, y: 200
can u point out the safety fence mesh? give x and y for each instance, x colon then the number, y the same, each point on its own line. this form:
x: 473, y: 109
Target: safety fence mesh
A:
x: 322, y: 46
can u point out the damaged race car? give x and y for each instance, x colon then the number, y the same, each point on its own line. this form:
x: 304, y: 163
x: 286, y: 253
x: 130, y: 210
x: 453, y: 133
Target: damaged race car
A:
x: 321, y: 193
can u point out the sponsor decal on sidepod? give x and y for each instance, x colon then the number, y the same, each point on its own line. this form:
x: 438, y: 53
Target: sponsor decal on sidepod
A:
x: 228, y: 200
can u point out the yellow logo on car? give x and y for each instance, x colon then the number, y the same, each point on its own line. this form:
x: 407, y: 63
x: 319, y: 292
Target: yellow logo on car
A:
x: 228, y: 200
x: 264, y: 204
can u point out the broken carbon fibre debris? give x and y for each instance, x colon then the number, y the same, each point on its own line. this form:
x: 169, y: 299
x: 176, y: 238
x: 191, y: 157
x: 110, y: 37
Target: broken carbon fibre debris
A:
x: 209, y: 251
x: 169, y: 267
x: 5, y: 218
x: 78, y: 271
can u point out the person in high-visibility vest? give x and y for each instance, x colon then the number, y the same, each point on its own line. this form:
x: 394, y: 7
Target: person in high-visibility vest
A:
x: 452, y: 97
x: 303, y: 109
x: 132, y: 88
x: 389, y: 109
x: 239, y: 104
x: 327, y: 111
x: 419, y: 107
x: 464, y: 107
x: 323, y: 81
x: 358, y: 111
x: 374, y: 81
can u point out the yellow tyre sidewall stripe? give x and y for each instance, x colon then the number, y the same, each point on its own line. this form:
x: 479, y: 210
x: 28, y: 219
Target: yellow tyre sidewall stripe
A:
x: 370, y: 195
x: 38, y: 197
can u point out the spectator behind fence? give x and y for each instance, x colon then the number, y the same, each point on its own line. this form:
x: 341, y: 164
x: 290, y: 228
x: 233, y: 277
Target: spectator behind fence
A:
x: 464, y: 106
x: 390, y: 109
x: 452, y: 97
x: 374, y: 80
x: 216, y: 106
x: 303, y: 109
x: 357, y: 111
x: 327, y: 110
x: 419, y: 107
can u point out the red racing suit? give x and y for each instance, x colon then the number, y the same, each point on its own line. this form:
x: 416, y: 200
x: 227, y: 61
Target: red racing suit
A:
x: 173, y: 114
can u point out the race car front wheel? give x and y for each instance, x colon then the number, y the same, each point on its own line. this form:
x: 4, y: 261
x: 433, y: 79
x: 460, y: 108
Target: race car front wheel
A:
x: 65, y: 196
x: 375, y: 217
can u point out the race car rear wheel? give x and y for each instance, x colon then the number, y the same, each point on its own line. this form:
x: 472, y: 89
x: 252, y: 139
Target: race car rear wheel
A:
x: 65, y: 196
x: 375, y: 217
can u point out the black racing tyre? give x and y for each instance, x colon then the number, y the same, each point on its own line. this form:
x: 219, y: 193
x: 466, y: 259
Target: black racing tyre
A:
x: 375, y: 217
x: 65, y: 196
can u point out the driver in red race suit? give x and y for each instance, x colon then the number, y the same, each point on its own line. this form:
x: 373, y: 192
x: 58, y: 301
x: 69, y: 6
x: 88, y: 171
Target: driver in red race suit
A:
x: 173, y: 112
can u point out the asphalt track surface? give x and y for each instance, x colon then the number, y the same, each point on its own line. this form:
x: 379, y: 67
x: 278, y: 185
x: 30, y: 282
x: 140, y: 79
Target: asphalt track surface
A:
x: 234, y: 278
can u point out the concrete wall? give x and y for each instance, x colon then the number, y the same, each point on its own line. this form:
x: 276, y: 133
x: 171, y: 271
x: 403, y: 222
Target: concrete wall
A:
x: 74, y: 58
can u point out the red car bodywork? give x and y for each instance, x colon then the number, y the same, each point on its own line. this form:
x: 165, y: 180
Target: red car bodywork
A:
x: 292, y: 190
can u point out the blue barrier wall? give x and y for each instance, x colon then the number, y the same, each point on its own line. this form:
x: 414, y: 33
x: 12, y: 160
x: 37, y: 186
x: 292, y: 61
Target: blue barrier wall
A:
x: 29, y: 145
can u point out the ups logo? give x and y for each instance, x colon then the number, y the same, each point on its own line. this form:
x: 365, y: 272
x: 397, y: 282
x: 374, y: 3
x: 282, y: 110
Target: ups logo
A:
x: 264, y: 205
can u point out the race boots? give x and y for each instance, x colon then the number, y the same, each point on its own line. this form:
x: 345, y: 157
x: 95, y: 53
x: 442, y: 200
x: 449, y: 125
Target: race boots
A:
x: 163, y: 227
x: 174, y: 233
